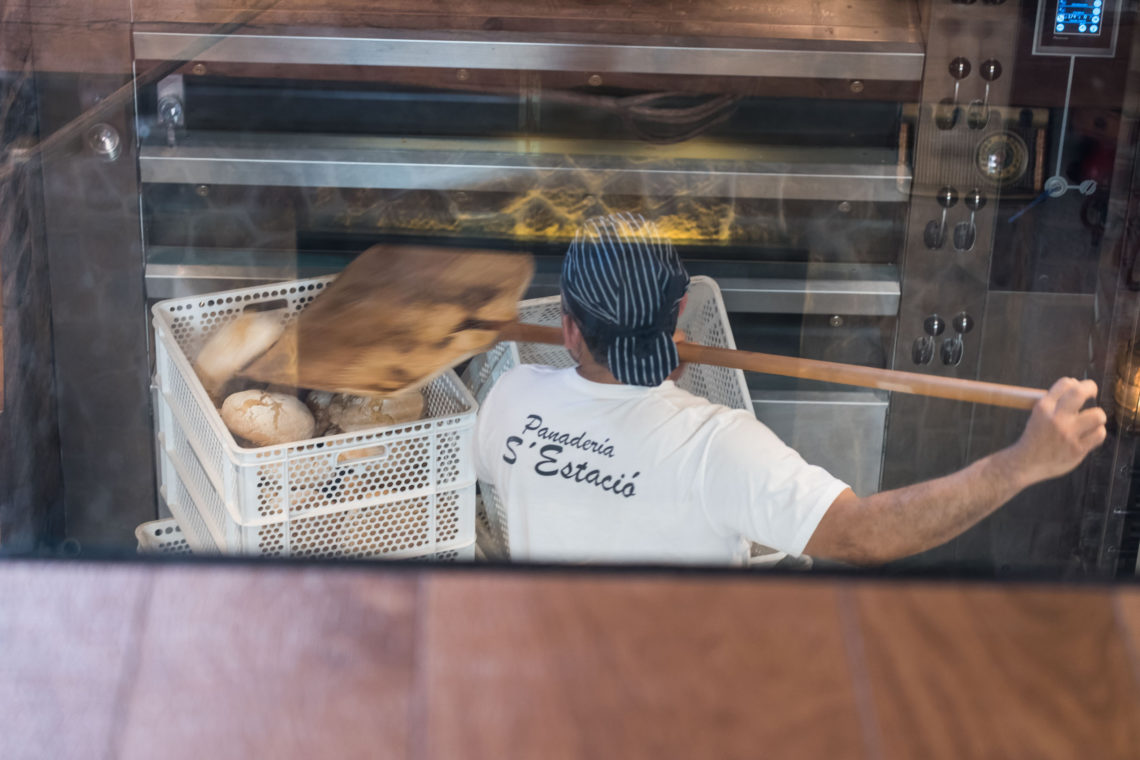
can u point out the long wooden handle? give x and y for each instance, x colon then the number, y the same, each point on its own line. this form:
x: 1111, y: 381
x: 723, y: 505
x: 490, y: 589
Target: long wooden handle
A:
x: 957, y: 389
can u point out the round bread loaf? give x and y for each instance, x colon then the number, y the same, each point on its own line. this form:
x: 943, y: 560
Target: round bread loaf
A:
x: 234, y: 346
x: 267, y: 419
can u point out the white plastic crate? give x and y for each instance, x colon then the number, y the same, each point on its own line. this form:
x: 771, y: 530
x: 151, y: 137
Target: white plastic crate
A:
x: 355, y: 494
x: 166, y: 537
x: 161, y: 537
x: 704, y: 321
x: 424, y: 524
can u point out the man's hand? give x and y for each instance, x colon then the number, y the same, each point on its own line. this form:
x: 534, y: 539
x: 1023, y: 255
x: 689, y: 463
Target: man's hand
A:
x: 1059, y: 434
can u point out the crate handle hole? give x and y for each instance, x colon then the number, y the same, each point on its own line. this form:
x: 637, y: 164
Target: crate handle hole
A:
x: 362, y: 456
x: 274, y: 305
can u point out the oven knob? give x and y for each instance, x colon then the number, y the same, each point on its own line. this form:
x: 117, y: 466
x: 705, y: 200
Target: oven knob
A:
x: 946, y: 114
x: 934, y: 325
x: 935, y: 232
x: 962, y: 323
x: 932, y: 235
x: 952, y: 350
x: 922, y: 352
x: 978, y: 114
x: 975, y: 200
x: 965, y: 233
x: 990, y: 69
x: 947, y: 197
x: 964, y: 236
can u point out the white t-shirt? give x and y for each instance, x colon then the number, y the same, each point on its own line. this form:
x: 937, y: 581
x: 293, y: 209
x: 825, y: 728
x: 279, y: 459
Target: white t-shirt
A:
x: 591, y: 472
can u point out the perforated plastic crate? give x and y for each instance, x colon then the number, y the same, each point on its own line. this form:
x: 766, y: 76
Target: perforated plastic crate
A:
x: 166, y: 537
x: 161, y: 537
x: 358, y: 494
x: 704, y: 321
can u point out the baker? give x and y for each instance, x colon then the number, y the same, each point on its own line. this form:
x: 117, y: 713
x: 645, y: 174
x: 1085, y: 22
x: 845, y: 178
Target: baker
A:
x: 610, y: 461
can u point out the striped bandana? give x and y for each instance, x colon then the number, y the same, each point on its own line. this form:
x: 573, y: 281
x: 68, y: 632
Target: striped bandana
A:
x: 624, y: 282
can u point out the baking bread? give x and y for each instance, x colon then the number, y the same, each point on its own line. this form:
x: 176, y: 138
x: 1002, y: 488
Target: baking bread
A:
x: 234, y: 346
x: 352, y: 413
x: 347, y: 413
x: 318, y: 403
x: 267, y: 419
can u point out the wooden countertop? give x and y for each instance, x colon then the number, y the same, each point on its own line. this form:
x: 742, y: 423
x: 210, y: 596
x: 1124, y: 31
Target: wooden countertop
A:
x: 236, y: 661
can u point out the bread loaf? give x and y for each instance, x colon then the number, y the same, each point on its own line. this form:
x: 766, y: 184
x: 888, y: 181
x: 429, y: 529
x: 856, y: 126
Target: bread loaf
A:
x: 236, y: 345
x: 319, y: 403
x: 267, y: 419
x: 352, y: 413
x: 346, y: 413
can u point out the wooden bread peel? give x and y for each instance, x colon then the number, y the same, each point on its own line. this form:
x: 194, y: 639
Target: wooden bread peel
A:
x: 398, y: 316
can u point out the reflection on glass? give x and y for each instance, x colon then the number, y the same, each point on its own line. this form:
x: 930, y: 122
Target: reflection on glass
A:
x: 189, y: 189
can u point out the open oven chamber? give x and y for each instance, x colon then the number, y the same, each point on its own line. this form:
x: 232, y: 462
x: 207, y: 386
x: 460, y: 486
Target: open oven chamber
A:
x: 801, y: 154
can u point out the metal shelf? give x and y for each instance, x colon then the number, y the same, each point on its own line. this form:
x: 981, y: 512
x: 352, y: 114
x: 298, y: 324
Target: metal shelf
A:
x: 504, y: 165
x: 865, y: 297
x: 852, y: 289
x: 898, y: 60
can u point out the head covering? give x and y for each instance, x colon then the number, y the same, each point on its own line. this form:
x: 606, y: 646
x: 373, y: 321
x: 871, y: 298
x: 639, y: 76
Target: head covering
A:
x: 623, y: 282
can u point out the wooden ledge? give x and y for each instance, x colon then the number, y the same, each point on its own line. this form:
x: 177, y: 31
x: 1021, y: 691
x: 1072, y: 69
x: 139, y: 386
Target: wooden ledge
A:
x: 273, y: 661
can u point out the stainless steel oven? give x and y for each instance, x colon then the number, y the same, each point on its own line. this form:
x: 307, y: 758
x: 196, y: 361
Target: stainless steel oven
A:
x: 253, y: 169
x: 934, y: 186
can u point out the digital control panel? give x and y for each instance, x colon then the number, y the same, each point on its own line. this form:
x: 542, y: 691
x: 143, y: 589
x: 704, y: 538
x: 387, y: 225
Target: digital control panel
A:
x: 1077, y: 27
x: 1083, y: 17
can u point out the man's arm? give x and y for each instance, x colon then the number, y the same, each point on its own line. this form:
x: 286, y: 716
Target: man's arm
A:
x: 905, y: 521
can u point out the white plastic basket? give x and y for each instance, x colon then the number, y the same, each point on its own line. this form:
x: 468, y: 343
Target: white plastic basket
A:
x: 703, y: 321
x: 161, y: 537
x: 166, y: 537
x: 401, y: 490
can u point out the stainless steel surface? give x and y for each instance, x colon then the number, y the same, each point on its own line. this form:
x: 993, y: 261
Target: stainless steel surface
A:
x: 876, y: 293
x: 98, y: 324
x: 817, y: 58
x: 870, y: 297
x: 511, y: 165
x: 1045, y: 526
x: 221, y: 269
x: 928, y: 438
x: 785, y: 296
x: 31, y: 478
x: 841, y: 432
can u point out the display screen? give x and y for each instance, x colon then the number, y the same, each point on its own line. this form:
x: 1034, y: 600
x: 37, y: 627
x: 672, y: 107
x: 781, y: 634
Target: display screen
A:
x: 1082, y: 17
